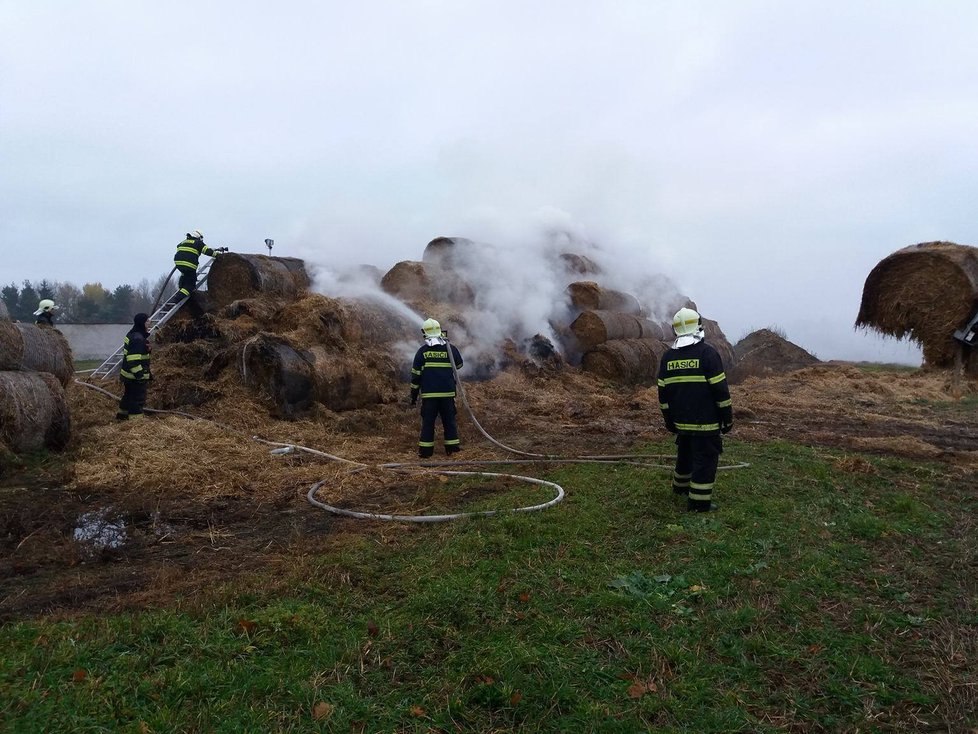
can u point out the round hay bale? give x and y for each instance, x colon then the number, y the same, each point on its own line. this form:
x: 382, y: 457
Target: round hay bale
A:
x: 33, y: 412
x: 924, y: 292
x: 596, y: 327
x: 446, y: 252
x: 586, y: 295
x: 271, y: 365
x: 234, y: 276
x: 415, y: 281
x: 626, y: 361
x: 579, y: 264
x: 763, y: 353
x: 318, y: 319
x: 347, y: 382
x: 35, y: 348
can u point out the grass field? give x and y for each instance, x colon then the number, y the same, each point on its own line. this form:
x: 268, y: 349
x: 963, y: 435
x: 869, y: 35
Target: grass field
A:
x: 832, y: 592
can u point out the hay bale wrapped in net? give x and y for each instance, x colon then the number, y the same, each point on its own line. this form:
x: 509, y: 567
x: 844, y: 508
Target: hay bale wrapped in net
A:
x: 625, y: 360
x: 33, y: 412
x: 924, y: 292
x: 234, y: 276
x: 586, y: 295
x: 765, y: 352
x: 596, y: 327
x: 413, y: 281
x: 35, y: 348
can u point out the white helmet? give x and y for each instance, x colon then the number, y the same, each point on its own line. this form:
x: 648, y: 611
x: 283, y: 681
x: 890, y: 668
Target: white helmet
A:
x: 431, y: 328
x: 196, y: 233
x: 46, y: 304
x: 686, y: 322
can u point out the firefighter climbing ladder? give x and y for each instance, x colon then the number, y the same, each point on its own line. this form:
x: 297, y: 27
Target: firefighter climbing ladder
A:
x: 159, y: 317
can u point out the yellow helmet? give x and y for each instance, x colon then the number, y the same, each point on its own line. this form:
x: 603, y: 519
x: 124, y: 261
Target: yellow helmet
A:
x: 430, y: 327
x: 685, y: 322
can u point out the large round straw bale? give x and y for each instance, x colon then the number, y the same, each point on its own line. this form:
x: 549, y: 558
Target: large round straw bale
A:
x: 625, y: 360
x: 342, y: 322
x: 33, y: 412
x: 344, y: 381
x: 234, y: 276
x: 765, y: 352
x: 579, y: 264
x: 586, y: 295
x: 414, y: 281
x: 270, y: 364
x: 447, y: 252
x: 596, y: 327
x: 35, y: 348
x: 924, y: 292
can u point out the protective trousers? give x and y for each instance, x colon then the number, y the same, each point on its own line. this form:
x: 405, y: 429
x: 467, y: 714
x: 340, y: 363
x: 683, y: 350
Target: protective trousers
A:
x: 133, y: 399
x: 188, y: 280
x: 697, y: 458
x: 431, y: 409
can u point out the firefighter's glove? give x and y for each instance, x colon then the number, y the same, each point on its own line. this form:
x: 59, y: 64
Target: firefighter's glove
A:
x: 414, y: 397
x: 671, y: 427
x: 726, y: 427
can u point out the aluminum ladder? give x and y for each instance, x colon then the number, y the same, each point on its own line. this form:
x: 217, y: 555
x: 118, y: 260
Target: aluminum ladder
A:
x: 159, y: 317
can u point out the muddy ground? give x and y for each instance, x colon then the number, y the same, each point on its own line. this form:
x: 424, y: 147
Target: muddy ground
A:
x: 144, y: 513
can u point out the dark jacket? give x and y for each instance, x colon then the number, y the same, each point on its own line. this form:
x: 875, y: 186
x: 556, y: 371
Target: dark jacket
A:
x: 189, y: 252
x: 431, y: 373
x: 45, y: 319
x: 135, y: 356
x: 693, y: 392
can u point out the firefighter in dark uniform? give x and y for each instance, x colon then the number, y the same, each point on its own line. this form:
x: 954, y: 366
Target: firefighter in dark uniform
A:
x: 433, y: 379
x: 187, y: 258
x: 695, y: 402
x: 45, y: 312
x: 134, y: 373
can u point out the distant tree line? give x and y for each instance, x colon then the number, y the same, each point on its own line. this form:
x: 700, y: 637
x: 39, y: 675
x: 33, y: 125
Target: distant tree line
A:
x: 93, y: 303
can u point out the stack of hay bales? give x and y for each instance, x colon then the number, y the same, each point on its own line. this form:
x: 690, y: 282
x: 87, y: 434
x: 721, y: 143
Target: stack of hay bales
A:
x: 234, y: 276
x: 925, y: 292
x: 619, y: 346
x: 586, y: 295
x: 764, y: 352
x: 35, y: 365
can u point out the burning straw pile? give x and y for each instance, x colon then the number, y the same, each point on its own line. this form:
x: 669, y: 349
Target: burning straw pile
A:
x: 924, y: 292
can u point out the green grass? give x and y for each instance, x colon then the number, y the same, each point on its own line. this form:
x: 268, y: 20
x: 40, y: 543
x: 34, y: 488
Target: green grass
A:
x: 818, y: 599
x: 87, y: 364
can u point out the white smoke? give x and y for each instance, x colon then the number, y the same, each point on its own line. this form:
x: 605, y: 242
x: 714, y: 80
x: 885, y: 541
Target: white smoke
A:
x: 519, y: 280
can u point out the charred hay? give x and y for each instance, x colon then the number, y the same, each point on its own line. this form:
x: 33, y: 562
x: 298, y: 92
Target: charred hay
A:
x: 924, y: 292
x: 35, y: 348
x: 33, y: 412
x: 234, y: 276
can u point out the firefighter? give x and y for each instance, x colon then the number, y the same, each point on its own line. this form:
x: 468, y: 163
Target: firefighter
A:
x: 695, y: 402
x: 45, y: 312
x: 433, y: 379
x: 135, y: 373
x: 187, y: 259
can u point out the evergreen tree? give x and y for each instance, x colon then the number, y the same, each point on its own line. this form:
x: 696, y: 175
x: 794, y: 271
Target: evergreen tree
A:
x: 119, y: 307
x: 28, y: 303
x: 11, y: 298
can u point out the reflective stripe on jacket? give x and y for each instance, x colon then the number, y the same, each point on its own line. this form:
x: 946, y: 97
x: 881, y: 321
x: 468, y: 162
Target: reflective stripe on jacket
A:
x: 189, y: 252
x: 135, y: 356
x: 432, y: 373
x: 693, y: 391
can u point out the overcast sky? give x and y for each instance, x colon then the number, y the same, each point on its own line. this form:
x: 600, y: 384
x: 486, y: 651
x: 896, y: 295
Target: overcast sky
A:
x: 765, y: 155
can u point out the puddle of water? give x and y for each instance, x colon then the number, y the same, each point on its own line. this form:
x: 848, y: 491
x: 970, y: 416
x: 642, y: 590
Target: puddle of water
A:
x: 101, y: 529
